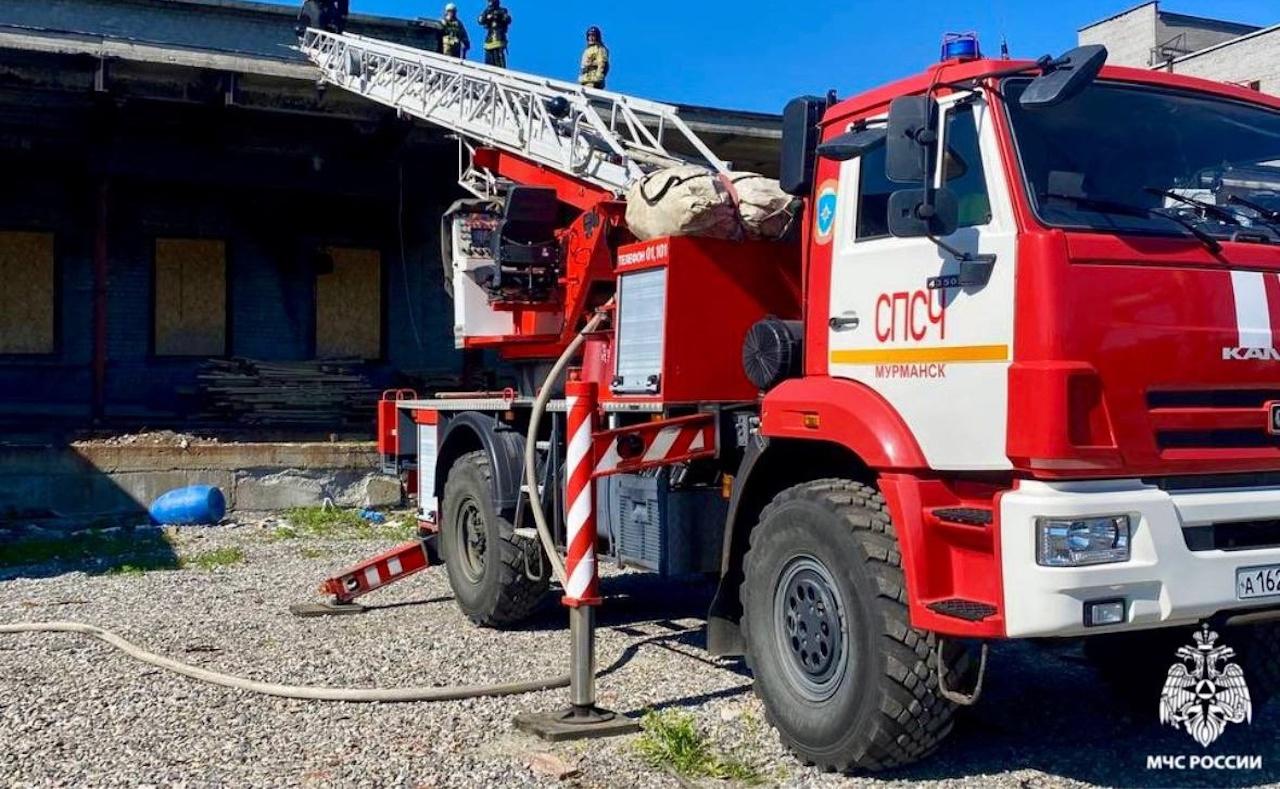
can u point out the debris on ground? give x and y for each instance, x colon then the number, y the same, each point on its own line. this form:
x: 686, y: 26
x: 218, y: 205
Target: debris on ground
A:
x: 153, y: 438
x: 552, y: 766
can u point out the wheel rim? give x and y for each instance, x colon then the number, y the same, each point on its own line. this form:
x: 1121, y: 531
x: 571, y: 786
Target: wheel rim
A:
x: 473, y: 539
x: 810, y: 626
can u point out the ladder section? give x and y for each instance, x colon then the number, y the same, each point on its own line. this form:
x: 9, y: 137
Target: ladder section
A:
x: 604, y: 138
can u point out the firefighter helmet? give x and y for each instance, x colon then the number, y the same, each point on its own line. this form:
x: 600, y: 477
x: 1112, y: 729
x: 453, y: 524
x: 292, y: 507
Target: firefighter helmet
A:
x: 594, y: 31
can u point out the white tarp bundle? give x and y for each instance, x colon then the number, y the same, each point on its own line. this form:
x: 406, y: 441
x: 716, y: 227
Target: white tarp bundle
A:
x: 693, y: 201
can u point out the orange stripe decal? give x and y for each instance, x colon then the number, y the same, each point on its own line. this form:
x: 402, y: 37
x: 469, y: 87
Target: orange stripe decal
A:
x: 955, y: 354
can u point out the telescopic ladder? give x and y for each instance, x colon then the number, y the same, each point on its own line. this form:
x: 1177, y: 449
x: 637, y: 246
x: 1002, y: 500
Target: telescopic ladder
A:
x: 604, y: 138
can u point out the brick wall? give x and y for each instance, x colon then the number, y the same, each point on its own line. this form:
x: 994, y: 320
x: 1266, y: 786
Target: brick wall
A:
x: 1128, y: 37
x: 1250, y: 58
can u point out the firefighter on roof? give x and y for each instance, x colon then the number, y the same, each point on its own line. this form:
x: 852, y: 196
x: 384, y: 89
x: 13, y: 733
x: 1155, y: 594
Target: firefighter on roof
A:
x: 496, y: 20
x: 595, y: 60
x: 454, y: 40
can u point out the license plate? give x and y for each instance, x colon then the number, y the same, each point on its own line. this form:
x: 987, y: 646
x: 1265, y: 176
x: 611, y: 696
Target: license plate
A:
x: 1273, y: 423
x: 1254, y: 582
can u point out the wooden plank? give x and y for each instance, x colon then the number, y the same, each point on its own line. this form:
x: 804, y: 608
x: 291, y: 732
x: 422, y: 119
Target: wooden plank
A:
x: 27, y: 305
x: 349, y: 306
x: 190, y: 297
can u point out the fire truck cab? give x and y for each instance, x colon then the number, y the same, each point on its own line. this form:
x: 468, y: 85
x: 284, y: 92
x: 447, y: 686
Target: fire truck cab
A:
x: 1017, y: 376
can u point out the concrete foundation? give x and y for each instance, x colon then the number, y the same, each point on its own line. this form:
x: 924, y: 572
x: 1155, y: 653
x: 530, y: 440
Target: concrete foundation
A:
x: 39, y: 482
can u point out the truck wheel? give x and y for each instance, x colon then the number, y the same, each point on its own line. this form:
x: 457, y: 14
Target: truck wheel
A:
x: 485, y: 560
x: 844, y: 677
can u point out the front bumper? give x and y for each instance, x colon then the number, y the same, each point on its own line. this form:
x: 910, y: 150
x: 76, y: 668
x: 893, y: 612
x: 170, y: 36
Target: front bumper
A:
x: 1164, y: 582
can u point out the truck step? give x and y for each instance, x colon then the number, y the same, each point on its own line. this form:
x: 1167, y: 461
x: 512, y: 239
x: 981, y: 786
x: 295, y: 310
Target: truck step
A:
x: 968, y: 610
x: 967, y: 516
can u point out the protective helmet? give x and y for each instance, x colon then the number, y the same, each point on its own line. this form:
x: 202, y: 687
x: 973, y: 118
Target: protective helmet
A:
x: 594, y: 31
x: 450, y: 7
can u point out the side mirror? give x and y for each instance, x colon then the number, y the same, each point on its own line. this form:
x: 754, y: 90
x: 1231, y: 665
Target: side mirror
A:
x: 851, y: 145
x: 1065, y: 78
x: 910, y: 139
x: 911, y: 216
x: 800, y: 137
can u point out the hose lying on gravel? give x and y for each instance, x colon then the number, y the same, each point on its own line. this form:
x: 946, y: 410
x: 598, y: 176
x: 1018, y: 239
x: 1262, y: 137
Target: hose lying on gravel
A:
x: 531, y: 446
x: 290, y: 691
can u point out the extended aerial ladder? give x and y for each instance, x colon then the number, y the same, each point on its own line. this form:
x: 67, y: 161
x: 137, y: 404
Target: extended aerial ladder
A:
x: 520, y: 134
x: 604, y: 139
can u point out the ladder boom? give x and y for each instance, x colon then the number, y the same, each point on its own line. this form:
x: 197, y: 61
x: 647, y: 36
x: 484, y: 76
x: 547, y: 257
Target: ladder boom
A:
x: 604, y: 138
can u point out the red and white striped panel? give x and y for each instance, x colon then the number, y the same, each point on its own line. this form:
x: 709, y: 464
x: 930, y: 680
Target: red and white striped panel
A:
x: 581, y: 576
x: 378, y: 572
x: 655, y: 444
x: 1257, y: 302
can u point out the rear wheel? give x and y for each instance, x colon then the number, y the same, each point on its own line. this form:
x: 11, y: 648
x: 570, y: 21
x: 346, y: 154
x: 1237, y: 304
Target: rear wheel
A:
x: 844, y: 677
x: 489, y: 567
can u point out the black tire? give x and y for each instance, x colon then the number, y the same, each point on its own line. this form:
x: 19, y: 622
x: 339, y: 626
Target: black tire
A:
x: 486, y: 562
x: 866, y: 698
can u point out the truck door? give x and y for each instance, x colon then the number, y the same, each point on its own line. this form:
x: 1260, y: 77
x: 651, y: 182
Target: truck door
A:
x: 939, y: 356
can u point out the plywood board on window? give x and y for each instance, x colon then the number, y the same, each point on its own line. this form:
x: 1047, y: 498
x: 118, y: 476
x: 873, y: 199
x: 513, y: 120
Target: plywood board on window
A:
x: 349, y: 306
x: 190, y: 297
x: 27, y: 305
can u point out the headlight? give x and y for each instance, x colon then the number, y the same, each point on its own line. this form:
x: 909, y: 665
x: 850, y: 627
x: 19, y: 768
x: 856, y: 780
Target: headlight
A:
x: 1062, y: 542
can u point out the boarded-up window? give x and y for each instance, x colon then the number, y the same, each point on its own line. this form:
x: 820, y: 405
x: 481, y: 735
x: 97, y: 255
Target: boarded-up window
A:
x: 349, y: 306
x: 191, y: 297
x: 27, y: 295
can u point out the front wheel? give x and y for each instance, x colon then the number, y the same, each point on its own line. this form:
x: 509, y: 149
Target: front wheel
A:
x: 845, y: 679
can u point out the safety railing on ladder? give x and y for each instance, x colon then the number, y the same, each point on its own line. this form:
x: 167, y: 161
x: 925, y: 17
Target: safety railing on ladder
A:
x: 607, y: 139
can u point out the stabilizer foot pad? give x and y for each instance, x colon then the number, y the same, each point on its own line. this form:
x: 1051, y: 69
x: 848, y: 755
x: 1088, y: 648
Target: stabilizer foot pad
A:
x: 308, y: 610
x: 576, y: 723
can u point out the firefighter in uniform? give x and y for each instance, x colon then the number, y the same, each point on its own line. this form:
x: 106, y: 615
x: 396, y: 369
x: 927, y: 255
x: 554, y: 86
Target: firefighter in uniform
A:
x: 454, y: 40
x: 595, y: 60
x: 497, y: 21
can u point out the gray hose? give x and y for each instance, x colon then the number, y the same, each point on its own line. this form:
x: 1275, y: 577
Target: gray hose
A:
x: 531, y: 447
x: 290, y: 691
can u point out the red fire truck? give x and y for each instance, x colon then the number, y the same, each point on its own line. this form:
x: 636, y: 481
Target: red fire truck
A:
x: 1015, y: 376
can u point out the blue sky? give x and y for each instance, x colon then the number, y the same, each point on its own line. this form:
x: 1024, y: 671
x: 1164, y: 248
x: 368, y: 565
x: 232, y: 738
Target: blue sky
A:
x: 755, y: 55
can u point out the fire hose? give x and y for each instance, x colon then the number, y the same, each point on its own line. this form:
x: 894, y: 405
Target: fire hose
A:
x: 319, y: 693
x: 312, y: 693
x: 531, y: 446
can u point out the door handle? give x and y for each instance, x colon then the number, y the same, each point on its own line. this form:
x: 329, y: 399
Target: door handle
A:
x: 848, y: 320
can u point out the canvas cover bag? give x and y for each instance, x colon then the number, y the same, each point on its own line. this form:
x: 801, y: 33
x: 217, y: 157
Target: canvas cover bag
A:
x: 694, y: 201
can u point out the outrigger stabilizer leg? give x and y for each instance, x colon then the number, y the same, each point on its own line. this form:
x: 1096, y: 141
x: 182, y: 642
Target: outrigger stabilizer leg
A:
x: 582, y: 719
x: 372, y: 574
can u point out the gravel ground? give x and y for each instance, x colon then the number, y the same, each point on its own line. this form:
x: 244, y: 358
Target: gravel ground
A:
x: 74, y: 712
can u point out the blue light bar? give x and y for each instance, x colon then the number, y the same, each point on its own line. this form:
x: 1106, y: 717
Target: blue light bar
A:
x: 961, y: 46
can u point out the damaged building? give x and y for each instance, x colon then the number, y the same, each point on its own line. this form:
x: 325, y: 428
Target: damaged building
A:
x: 186, y: 215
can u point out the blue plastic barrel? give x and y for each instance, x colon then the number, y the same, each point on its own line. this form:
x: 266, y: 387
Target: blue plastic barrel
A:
x: 198, y: 505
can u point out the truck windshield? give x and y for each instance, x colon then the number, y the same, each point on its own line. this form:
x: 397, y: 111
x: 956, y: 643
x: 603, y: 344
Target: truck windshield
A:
x: 1128, y: 158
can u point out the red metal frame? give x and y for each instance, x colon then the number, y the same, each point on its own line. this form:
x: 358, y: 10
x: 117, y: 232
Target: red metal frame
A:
x: 587, y: 258
x: 715, y: 291
x: 647, y: 445
x: 373, y: 574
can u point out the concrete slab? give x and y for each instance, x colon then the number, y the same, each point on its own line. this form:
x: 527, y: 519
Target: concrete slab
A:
x: 102, y: 478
